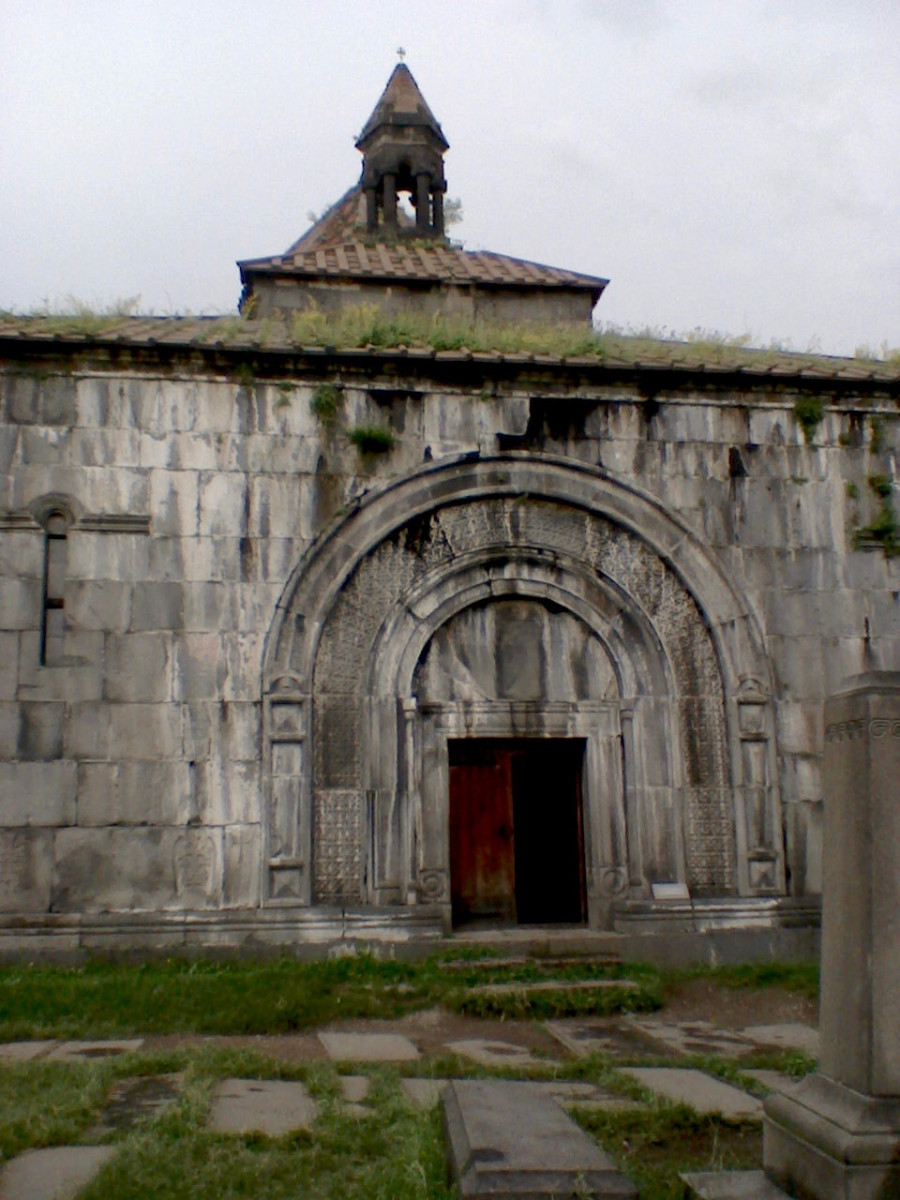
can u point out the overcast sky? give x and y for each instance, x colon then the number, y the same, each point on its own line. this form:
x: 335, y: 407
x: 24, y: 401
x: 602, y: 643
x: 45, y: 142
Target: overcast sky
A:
x: 727, y: 164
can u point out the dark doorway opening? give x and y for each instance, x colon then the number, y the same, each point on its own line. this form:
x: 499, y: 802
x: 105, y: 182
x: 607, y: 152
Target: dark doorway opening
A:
x: 516, y: 839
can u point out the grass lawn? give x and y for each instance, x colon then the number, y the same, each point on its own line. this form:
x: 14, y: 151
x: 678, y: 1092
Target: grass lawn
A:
x: 397, y: 1150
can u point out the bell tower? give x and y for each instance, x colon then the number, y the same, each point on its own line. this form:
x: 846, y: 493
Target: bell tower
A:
x: 403, y: 151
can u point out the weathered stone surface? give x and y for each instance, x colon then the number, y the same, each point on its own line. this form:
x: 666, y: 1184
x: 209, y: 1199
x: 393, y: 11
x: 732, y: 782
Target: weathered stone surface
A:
x: 52, y: 1174
x: 507, y: 1140
x: 788, y: 1035
x: 26, y: 870
x: 492, y: 1053
x: 137, y: 1099
x: 24, y: 1051
x: 731, y: 1185
x: 114, y: 868
x: 368, y: 1047
x: 702, y: 1092
x: 74, y: 1051
x: 132, y: 793
x: 689, y: 1037
x: 38, y: 793
x: 272, y: 1107
x: 354, y: 1088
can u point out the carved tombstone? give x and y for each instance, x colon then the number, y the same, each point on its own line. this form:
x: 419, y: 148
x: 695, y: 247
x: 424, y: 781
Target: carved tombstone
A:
x: 837, y: 1134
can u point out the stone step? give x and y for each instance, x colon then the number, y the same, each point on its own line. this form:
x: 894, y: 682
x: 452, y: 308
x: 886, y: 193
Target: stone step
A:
x: 541, y: 943
x: 554, y: 985
x: 532, y: 961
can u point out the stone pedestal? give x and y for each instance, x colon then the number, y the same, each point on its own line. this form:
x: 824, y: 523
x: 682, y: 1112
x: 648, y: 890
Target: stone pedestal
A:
x: 837, y: 1135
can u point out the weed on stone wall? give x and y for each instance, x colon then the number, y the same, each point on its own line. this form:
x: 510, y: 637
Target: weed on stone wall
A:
x: 372, y: 439
x: 325, y: 403
x: 884, y: 530
x: 808, y: 412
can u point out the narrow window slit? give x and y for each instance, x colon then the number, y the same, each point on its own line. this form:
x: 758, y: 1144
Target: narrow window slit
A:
x: 56, y: 528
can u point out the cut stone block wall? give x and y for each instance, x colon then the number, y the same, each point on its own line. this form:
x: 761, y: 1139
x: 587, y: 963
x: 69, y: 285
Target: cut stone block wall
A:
x: 135, y: 774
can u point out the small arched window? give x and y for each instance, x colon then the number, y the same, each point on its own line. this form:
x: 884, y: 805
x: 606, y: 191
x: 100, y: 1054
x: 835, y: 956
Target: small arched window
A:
x: 56, y: 530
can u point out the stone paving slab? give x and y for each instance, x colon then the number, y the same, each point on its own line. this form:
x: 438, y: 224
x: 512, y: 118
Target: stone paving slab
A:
x: 731, y: 1185
x: 368, y: 1047
x: 489, y: 1053
x: 270, y: 1106
x: 689, y: 1037
x: 574, y: 1093
x: 786, y: 1036
x: 24, y: 1051
x: 354, y: 1088
x: 702, y: 1092
x: 583, y: 1036
x: 53, y: 1174
x: 76, y: 1051
x: 423, y: 1093
x: 137, y: 1099
x: 508, y: 1139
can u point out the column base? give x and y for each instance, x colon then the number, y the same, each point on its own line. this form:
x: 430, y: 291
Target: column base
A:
x: 824, y: 1141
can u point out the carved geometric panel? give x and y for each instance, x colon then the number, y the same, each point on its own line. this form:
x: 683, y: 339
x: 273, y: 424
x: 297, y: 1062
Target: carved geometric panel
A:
x: 337, y: 841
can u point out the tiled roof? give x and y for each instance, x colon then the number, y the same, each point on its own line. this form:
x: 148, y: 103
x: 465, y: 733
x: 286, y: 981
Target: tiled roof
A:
x: 343, y: 222
x: 415, y: 260
x: 277, y: 337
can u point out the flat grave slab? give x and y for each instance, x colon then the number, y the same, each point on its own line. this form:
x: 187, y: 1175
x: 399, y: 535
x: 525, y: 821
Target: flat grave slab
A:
x: 786, y: 1036
x: 731, y: 1185
x: 53, y: 1174
x: 270, y: 1106
x: 583, y: 1036
x: 76, y: 1051
x: 572, y: 1093
x: 689, y: 1037
x: 368, y: 1047
x: 490, y: 1053
x: 702, y: 1092
x: 136, y: 1099
x: 508, y: 1139
x: 24, y: 1051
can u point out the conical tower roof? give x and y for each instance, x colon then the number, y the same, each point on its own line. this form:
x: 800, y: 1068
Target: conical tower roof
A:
x: 401, y: 104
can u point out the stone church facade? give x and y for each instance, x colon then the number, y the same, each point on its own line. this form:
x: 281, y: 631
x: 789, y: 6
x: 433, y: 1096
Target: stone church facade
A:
x: 306, y: 641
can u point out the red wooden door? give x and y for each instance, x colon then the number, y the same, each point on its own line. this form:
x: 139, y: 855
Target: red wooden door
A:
x: 482, y: 852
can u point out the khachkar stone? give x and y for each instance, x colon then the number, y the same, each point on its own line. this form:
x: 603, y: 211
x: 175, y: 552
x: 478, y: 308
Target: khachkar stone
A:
x: 837, y: 1134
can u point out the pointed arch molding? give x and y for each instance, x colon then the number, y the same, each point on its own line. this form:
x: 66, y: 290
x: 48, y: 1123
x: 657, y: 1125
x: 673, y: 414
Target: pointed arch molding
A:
x: 684, y: 755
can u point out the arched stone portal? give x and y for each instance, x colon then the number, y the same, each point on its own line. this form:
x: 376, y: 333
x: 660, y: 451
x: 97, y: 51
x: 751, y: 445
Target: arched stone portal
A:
x: 516, y: 597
